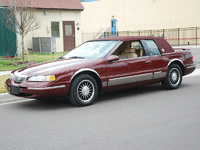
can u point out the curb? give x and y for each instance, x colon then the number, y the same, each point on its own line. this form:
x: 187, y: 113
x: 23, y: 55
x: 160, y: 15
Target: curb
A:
x: 4, y: 72
x: 3, y: 94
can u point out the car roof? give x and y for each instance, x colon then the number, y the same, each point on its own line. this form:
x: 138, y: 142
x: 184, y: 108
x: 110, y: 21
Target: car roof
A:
x: 163, y: 45
x: 126, y: 38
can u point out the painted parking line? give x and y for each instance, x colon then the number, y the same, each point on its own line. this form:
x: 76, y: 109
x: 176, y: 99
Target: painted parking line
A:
x: 17, y: 101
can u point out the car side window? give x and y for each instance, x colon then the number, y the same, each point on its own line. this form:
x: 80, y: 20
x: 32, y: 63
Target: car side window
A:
x: 138, y: 48
x: 151, y: 47
x: 130, y: 49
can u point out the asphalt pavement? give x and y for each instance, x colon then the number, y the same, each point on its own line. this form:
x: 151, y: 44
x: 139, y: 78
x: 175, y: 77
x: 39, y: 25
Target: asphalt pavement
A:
x: 146, y: 118
x: 5, y: 98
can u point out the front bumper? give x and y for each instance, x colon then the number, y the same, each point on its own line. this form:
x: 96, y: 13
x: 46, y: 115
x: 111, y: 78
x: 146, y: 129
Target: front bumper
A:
x: 38, y: 89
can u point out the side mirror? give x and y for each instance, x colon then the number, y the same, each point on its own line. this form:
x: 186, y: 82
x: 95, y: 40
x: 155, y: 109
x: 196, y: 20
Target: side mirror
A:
x: 113, y: 58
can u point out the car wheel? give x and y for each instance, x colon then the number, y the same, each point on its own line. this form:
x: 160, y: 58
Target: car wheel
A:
x: 173, y: 77
x: 83, y: 90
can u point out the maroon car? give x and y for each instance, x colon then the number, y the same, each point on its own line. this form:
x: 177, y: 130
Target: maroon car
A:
x: 103, y: 65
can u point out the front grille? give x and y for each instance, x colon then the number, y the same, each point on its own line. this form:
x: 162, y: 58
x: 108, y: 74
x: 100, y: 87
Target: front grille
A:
x: 19, y: 79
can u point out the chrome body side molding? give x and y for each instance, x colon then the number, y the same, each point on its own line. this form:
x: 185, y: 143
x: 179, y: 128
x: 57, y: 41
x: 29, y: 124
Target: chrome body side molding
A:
x: 159, y: 74
x: 193, y: 66
x: 130, y: 79
x: 82, y: 70
x: 104, y: 84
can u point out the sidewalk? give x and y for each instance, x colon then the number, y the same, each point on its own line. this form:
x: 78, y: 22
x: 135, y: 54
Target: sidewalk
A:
x: 4, y: 73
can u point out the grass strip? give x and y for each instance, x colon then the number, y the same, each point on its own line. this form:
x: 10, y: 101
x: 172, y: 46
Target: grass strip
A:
x: 2, y: 83
x: 36, y: 57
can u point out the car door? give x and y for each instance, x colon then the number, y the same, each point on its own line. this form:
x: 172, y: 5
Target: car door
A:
x: 158, y: 61
x: 128, y: 70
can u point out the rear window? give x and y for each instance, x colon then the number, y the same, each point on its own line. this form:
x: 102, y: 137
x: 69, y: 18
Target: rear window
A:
x: 152, y: 47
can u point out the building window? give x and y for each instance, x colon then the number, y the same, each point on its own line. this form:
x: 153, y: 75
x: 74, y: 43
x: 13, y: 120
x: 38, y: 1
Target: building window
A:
x: 55, y: 32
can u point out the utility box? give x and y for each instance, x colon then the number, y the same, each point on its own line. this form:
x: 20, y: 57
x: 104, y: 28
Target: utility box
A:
x: 44, y: 44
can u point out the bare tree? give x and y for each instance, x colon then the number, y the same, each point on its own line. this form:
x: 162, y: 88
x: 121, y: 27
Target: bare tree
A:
x: 20, y: 18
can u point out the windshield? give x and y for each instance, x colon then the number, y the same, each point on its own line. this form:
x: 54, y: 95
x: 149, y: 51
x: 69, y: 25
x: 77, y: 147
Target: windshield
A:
x: 94, y: 49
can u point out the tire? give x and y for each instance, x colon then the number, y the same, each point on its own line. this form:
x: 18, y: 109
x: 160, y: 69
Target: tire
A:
x: 173, y: 77
x: 83, y: 90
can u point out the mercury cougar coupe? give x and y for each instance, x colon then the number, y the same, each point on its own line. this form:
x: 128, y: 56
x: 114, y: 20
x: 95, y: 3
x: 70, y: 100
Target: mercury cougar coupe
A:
x: 103, y: 65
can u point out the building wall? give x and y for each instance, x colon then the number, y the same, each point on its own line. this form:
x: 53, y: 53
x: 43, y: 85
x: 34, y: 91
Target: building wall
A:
x: 45, y: 27
x: 140, y: 15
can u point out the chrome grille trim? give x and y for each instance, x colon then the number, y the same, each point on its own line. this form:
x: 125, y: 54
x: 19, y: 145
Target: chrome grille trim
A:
x: 46, y: 88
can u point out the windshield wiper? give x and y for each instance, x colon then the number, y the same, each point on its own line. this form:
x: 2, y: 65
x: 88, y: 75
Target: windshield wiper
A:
x: 77, y: 57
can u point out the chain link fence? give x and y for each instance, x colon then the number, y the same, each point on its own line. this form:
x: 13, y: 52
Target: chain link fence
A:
x: 176, y: 36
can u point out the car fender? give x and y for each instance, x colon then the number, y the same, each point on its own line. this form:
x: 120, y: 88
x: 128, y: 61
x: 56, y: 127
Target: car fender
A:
x: 179, y: 62
x: 173, y: 60
x: 83, y: 70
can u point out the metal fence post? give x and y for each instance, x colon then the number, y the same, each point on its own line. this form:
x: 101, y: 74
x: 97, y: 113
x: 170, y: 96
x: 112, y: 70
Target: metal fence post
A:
x: 163, y: 33
x: 196, y: 36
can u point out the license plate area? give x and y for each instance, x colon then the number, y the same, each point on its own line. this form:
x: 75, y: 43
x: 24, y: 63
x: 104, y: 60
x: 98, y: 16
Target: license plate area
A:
x: 14, y: 90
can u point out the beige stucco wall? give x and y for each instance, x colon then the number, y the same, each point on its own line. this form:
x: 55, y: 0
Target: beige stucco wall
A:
x: 140, y: 14
x: 45, y: 27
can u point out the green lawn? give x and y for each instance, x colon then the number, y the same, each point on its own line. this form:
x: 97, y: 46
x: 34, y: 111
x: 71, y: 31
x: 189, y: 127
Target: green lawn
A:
x: 2, y: 83
x: 37, y: 57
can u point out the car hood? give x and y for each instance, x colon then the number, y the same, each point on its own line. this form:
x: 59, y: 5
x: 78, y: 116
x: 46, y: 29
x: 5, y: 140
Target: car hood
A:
x: 53, y: 67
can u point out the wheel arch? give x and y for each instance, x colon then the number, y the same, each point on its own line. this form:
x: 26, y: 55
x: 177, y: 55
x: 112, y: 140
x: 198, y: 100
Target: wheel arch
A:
x: 178, y: 62
x: 91, y: 72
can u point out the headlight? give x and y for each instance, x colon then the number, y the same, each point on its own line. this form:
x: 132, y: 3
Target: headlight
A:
x: 42, y: 78
x: 11, y: 76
